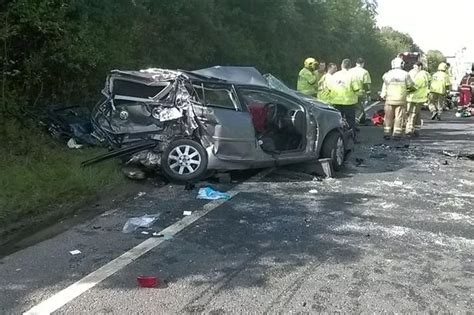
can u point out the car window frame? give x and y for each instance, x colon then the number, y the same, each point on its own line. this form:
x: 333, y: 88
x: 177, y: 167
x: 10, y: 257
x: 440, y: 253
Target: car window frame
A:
x: 234, y: 95
x: 280, y: 94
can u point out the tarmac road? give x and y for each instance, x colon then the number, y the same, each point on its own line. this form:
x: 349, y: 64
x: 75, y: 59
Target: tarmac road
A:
x: 393, y: 233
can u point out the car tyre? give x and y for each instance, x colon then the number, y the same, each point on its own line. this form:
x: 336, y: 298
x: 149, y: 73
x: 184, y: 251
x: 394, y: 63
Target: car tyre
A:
x: 334, y: 149
x: 184, y: 161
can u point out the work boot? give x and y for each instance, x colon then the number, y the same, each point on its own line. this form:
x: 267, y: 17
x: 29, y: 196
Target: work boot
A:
x: 438, y: 116
x: 434, y: 115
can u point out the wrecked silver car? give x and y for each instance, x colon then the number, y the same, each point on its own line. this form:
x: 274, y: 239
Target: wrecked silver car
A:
x: 187, y: 123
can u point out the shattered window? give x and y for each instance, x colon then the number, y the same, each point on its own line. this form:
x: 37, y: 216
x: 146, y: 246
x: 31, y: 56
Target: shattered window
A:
x: 217, y: 97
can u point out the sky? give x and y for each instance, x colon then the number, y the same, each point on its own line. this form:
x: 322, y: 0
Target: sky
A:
x: 433, y: 24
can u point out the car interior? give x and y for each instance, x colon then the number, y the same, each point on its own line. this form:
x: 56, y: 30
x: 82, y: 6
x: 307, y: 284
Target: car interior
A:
x: 279, y: 124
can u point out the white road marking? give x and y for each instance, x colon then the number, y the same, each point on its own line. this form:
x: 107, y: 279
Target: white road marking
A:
x: 76, y: 289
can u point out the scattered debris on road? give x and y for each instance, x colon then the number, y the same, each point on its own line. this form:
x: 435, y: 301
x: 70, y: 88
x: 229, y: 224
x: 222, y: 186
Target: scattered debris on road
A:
x: 459, y: 155
x: 145, y: 221
x: 187, y: 213
x: 207, y: 193
x: 75, y: 252
x: 140, y: 194
x: 147, y: 281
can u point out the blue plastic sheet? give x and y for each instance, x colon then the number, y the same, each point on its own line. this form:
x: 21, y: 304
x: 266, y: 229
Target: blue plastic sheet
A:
x: 210, y: 194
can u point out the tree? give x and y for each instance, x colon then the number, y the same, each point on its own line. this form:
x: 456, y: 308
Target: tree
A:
x: 434, y: 58
x: 59, y: 51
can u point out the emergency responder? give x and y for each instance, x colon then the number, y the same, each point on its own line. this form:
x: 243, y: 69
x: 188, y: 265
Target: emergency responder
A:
x: 465, y: 88
x: 363, y: 76
x: 324, y: 92
x: 307, y: 80
x: 321, y: 71
x: 396, y: 84
x: 344, y: 89
x: 417, y: 98
x: 440, y: 83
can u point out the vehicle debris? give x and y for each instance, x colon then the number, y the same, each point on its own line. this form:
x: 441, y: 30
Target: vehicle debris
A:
x: 186, y: 123
x: 144, y: 221
x: 208, y: 193
x: 187, y: 213
x: 72, y: 144
x: 459, y: 155
x: 75, y: 252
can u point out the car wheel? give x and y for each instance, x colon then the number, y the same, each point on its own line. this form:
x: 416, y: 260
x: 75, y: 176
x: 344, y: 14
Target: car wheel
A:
x: 184, y: 160
x: 334, y: 149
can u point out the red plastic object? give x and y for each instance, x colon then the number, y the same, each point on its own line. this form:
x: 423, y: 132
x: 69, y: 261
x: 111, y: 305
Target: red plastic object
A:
x: 378, y: 118
x: 147, y: 282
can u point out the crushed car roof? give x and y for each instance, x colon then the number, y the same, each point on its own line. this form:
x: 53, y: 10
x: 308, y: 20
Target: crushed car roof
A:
x: 233, y: 74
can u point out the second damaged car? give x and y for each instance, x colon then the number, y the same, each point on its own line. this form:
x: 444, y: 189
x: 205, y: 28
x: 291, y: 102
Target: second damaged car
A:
x: 187, y: 123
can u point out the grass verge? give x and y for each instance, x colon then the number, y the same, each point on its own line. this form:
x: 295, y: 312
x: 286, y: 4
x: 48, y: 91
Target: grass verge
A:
x: 40, y: 177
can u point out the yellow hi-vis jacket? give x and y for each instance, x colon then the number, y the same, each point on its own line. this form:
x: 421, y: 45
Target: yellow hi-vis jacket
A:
x: 363, y: 76
x: 396, y: 84
x: 307, y: 82
x: 344, y: 88
x: 422, y: 85
x: 324, y: 91
x: 440, y: 82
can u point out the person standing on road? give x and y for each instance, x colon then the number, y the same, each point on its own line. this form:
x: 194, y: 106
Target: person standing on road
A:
x: 307, y: 79
x: 363, y: 76
x: 465, y: 88
x: 396, y: 84
x: 440, y: 84
x: 344, y: 89
x: 321, y: 71
x: 417, y: 98
x: 324, y: 91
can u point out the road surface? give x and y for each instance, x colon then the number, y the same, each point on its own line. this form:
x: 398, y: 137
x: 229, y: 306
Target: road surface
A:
x: 393, y: 233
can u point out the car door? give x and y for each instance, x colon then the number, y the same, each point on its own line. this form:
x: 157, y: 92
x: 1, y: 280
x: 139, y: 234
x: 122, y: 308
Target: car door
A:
x: 224, y: 123
x: 254, y: 98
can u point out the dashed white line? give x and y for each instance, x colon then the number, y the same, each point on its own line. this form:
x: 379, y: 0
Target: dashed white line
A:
x: 76, y: 289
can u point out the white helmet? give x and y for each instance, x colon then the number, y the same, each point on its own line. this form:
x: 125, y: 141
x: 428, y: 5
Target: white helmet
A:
x: 397, y: 63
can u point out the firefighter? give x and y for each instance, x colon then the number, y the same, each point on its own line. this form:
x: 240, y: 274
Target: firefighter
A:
x: 307, y: 79
x: 363, y: 76
x: 465, y: 89
x: 344, y: 89
x: 396, y: 84
x: 324, y: 92
x: 440, y: 83
x: 417, y: 99
x: 321, y: 71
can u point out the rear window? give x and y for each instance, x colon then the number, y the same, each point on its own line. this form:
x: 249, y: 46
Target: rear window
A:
x: 138, y: 90
x: 222, y: 97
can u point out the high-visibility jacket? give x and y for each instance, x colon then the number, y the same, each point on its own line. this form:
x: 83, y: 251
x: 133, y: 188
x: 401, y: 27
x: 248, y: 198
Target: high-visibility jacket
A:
x: 324, y: 91
x: 396, y: 84
x: 422, y: 86
x: 363, y: 76
x: 440, y: 82
x: 307, y: 82
x: 344, y: 88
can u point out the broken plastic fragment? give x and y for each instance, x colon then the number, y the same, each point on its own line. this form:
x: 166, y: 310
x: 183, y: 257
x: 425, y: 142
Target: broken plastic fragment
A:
x: 75, y: 252
x: 147, y: 281
x: 186, y: 213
